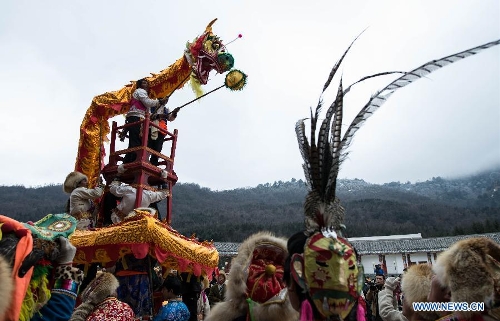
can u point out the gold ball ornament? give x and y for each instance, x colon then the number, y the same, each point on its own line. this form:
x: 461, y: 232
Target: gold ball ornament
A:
x: 270, y: 270
x: 235, y: 80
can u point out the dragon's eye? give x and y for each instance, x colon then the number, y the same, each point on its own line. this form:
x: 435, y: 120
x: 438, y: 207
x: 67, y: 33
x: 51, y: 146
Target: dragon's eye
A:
x: 215, y: 46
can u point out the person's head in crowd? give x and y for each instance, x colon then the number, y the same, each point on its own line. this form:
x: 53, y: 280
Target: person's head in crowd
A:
x: 171, y: 287
x: 205, y: 283
x: 221, y: 278
x: 143, y: 84
x: 416, y: 286
x: 469, y: 271
x: 301, y: 266
x: 99, y: 301
x: 379, y: 280
x: 256, y: 289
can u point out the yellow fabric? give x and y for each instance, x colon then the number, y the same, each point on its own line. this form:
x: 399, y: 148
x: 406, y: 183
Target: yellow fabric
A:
x: 95, y: 126
x: 143, y: 228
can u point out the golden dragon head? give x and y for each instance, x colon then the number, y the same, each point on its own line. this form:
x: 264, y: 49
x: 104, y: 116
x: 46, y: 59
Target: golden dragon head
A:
x: 207, y: 53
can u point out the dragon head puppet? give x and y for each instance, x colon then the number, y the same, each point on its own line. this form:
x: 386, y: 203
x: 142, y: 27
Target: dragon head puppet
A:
x: 204, y: 54
x: 207, y: 53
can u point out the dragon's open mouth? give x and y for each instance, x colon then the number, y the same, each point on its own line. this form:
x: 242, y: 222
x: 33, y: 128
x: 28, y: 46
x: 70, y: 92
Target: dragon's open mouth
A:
x: 207, y: 62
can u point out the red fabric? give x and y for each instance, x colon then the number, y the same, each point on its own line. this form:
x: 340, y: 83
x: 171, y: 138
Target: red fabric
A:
x: 137, y: 104
x: 361, y: 312
x: 111, y: 309
x: 262, y: 286
x: 23, y: 248
x: 306, y: 313
x: 140, y: 250
x: 114, y: 251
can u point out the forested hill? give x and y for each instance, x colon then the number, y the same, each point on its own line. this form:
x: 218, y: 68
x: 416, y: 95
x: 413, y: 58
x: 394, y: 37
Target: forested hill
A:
x: 436, y: 207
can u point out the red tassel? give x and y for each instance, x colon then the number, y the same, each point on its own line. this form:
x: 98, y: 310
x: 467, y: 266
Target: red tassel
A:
x: 361, y: 312
x: 306, y: 312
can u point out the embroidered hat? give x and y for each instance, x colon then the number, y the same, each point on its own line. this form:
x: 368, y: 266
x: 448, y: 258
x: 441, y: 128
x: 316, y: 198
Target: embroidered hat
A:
x: 52, y: 226
x: 256, y: 285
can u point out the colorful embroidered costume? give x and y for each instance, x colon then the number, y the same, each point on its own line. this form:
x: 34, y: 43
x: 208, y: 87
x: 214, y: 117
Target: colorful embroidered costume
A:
x: 99, y: 302
x: 111, y: 309
x: 256, y: 289
x: 28, y: 253
x: 81, y: 205
x: 128, y: 194
x: 173, y: 311
x: 323, y: 271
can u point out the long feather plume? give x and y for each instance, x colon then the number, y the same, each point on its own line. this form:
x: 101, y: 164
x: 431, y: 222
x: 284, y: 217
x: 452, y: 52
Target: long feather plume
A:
x: 325, y: 153
x: 323, y: 146
x: 337, y: 64
x: 381, y: 97
x: 348, y: 89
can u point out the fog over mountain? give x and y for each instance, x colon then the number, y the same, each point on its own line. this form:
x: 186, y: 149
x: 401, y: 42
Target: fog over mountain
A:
x: 436, y: 207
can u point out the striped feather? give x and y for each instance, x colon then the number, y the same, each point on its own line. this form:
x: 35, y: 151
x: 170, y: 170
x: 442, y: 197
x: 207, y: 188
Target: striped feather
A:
x: 304, y: 149
x: 381, y: 97
x: 348, y: 89
x: 335, y: 142
x: 322, y: 160
x: 323, y: 146
x: 313, y: 151
x: 337, y: 64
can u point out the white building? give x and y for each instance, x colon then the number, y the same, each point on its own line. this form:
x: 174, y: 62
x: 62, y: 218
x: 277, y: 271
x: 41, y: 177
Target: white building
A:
x: 393, y: 252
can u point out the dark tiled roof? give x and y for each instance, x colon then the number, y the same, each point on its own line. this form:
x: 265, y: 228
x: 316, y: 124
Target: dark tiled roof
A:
x: 366, y: 247
x: 436, y: 244
x: 227, y: 248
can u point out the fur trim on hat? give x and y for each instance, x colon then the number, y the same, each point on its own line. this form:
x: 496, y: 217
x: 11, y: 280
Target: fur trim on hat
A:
x: 7, y: 286
x: 72, y: 181
x: 205, y: 284
x: 103, y: 286
x: 416, y: 285
x: 235, y: 304
x: 470, y: 269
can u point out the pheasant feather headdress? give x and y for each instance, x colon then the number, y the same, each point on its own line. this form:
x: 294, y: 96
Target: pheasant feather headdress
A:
x: 328, y: 269
x: 324, y: 154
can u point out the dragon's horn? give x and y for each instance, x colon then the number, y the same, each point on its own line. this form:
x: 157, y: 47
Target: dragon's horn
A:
x: 209, y: 26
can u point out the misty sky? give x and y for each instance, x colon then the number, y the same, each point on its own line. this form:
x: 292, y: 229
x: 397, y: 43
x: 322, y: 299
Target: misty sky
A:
x: 57, y: 55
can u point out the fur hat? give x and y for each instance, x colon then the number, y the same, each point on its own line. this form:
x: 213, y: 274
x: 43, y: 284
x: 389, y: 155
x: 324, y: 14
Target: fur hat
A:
x: 7, y: 286
x: 257, y: 274
x: 416, y: 285
x: 205, y: 284
x: 103, y: 286
x: 470, y: 268
x: 72, y: 180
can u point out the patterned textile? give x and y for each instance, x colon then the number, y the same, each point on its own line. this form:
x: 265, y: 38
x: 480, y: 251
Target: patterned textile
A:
x: 111, y: 309
x: 265, y: 273
x: 173, y: 311
x: 134, y: 290
x: 52, y: 226
x: 332, y: 275
x: 145, y: 233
